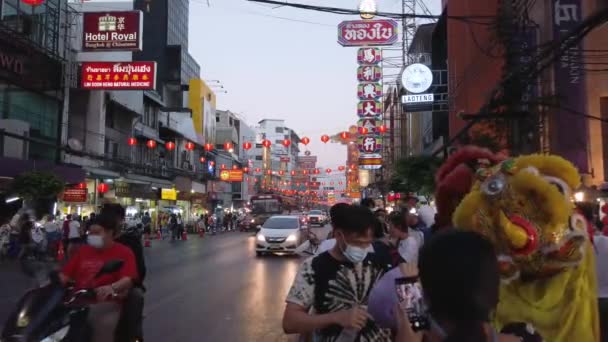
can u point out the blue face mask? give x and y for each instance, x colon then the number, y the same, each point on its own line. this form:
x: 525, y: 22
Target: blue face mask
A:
x: 354, y: 254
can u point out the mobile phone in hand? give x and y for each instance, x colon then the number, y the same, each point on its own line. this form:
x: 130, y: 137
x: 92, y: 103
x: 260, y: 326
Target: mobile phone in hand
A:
x: 409, y: 293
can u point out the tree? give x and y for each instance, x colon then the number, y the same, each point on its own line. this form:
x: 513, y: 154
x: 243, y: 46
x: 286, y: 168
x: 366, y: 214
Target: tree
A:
x: 38, y: 189
x: 416, y: 174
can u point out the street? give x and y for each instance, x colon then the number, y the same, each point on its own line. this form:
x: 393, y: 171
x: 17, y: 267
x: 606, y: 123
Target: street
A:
x: 211, y: 289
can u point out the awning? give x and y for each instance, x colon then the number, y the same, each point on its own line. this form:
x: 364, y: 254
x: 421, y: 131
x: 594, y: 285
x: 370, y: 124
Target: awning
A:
x: 154, y: 182
x: 100, y: 173
x: 12, y: 167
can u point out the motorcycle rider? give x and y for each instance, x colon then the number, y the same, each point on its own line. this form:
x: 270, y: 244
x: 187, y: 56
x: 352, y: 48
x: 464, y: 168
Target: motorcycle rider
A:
x: 110, y: 289
x: 130, y: 323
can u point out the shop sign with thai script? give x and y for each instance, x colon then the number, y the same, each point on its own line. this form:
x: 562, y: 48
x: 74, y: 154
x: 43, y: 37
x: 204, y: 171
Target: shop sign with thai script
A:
x: 119, y: 75
x: 367, y: 32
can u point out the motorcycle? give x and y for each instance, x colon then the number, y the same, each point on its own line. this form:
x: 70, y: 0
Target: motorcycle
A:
x: 53, y: 312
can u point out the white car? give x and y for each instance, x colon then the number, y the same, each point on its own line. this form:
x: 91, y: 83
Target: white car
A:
x: 280, y: 234
x: 316, y: 217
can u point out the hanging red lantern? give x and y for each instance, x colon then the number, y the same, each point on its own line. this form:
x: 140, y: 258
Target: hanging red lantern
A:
x: 328, y: 171
x: 33, y: 2
x: 228, y: 146
x: 363, y: 130
x: 212, y: 163
x: 132, y: 141
x: 246, y: 145
x: 304, y: 172
x: 255, y: 180
x: 344, y: 135
x: 170, y: 145
x: 340, y: 183
x: 286, y: 142
x: 189, y: 146
x: 208, y: 147
x: 151, y: 143
x: 235, y: 167
x: 331, y: 183
x: 293, y: 172
x: 246, y: 169
x: 223, y: 166
x: 382, y: 129
x: 202, y: 159
x: 341, y: 168
x: 281, y: 172
x: 81, y: 186
x: 269, y: 172
x: 305, y: 141
x: 353, y: 166
x: 266, y: 143
x: 102, y: 188
x: 257, y: 169
x: 317, y: 171
x: 325, y: 138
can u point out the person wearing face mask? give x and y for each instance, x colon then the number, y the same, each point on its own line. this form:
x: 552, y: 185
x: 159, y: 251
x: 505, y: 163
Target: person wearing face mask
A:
x: 110, y: 288
x: 335, y: 284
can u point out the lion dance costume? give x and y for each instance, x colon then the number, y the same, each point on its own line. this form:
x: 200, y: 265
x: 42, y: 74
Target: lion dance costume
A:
x: 523, y: 206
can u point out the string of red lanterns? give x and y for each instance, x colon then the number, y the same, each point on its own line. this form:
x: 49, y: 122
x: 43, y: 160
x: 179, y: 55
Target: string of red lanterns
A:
x: 325, y: 138
x: 305, y: 141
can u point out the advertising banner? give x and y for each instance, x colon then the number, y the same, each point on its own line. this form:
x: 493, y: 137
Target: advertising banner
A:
x: 118, y: 75
x: 371, y: 161
x: 168, y: 194
x: 569, y: 133
x: 112, y: 31
x: 231, y: 175
x: 75, y: 195
x: 367, y: 32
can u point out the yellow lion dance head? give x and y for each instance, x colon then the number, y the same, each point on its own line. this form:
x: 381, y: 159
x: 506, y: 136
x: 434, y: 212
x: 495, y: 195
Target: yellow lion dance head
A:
x: 524, y: 207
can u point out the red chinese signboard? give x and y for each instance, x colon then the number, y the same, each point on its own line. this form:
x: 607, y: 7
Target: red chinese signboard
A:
x: 75, y: 195
x: 119, y: 75
x: 368, y: 109
x: 231, y: 175
x: 369, y: 73
x: 369, y: 91
x: 369, y: 56
x: 367, y: 32
x: 285, y: 159
x: 112, y: 31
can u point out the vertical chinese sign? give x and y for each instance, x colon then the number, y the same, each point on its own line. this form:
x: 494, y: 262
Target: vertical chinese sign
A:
x: 569, y: 133
x: 366, y: 34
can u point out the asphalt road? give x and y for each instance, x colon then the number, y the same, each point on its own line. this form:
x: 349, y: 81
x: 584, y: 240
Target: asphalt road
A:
x: 211, y: 289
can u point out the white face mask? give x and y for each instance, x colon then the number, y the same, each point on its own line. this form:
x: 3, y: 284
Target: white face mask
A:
x: 95, y: 241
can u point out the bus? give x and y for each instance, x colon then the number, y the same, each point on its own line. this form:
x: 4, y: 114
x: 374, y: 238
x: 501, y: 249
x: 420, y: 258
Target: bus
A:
x: 264, y: 206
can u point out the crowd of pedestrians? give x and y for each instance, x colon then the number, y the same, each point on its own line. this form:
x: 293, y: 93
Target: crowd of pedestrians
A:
x: 333, y: 295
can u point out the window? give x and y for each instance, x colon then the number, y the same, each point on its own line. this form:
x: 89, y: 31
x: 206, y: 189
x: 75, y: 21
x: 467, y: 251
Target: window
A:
x: 258, y: 146
x: 258, y: 158
x: 278, y: 141
x: 217, y: 118
x: 279, y: 130
x: 230, y: 121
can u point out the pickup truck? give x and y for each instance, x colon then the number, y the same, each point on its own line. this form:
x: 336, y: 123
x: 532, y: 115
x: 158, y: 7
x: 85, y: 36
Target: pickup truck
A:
x: 316, y: 217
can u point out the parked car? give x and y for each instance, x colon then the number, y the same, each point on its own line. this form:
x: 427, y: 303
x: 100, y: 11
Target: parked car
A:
x: 281, y: 234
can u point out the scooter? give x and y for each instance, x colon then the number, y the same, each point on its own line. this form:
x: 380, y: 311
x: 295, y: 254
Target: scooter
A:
x: 53, y: 313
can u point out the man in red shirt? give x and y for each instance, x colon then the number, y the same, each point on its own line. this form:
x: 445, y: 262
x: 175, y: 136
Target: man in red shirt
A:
x: 110, y: 288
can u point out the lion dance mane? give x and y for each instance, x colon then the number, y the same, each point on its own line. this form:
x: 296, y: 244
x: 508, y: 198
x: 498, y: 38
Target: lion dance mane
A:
x: 523, y: 206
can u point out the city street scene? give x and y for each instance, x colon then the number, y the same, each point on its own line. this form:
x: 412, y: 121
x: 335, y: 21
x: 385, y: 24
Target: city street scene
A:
x: 303, y: 170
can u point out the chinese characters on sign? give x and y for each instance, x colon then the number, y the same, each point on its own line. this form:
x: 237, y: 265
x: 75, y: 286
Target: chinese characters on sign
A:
x: 107, y: 31
x: 368, y: 108
x: 119, y: 75
x: 369, y: 56
x: 75, y: 195
x: 370, y: 143
x: 369, y: 73
x: 367, y: 32
x: 369, y: 91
